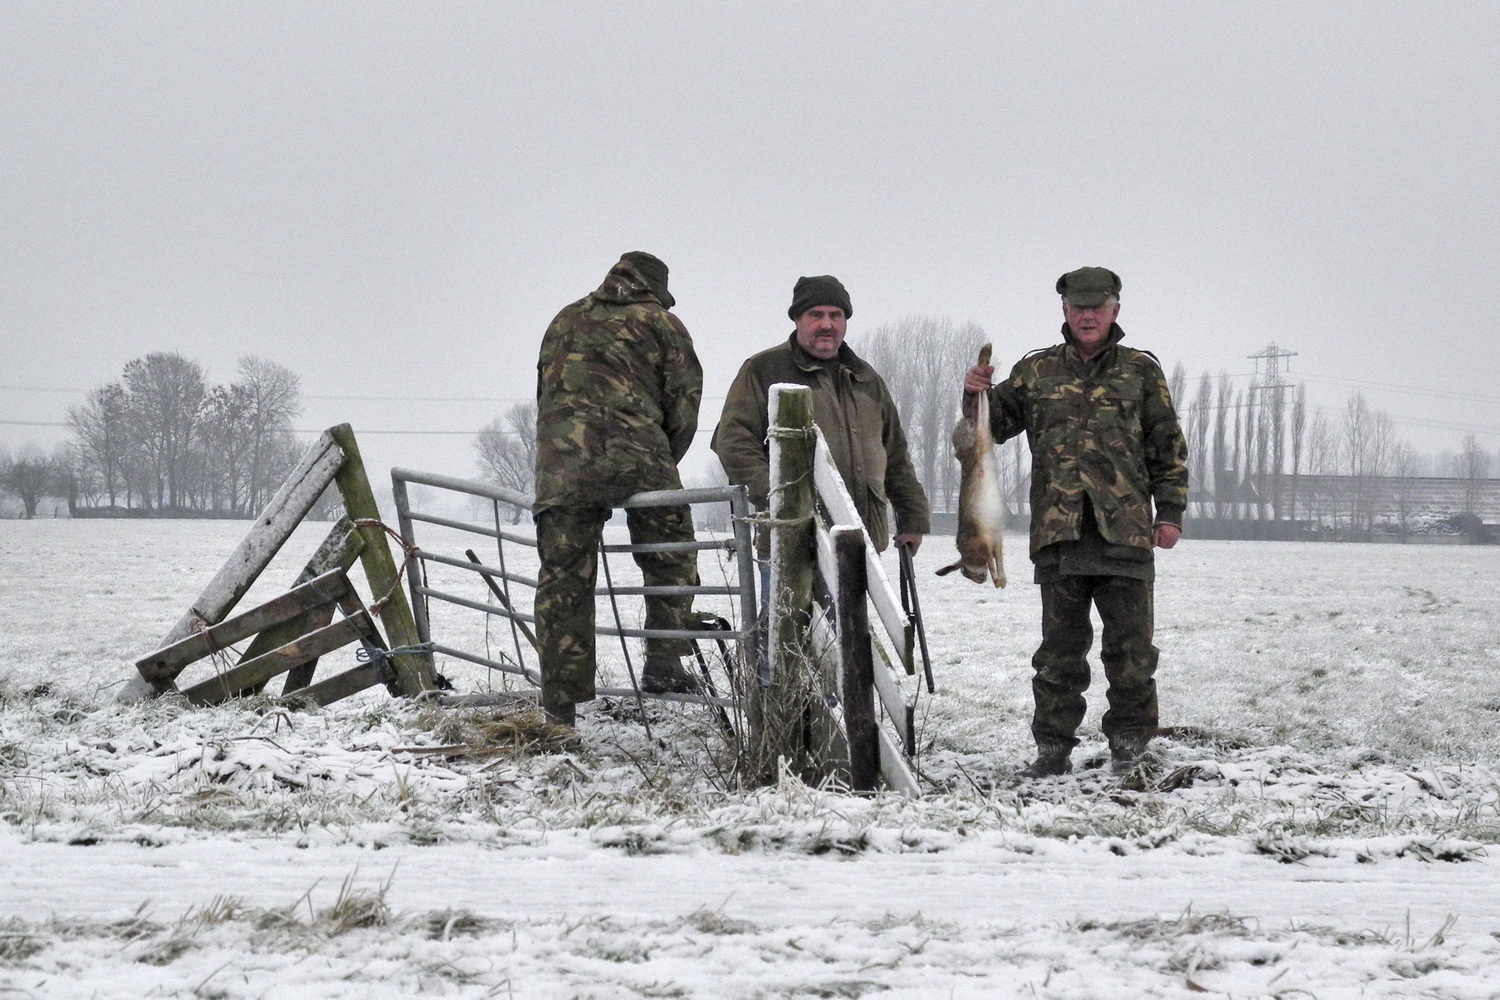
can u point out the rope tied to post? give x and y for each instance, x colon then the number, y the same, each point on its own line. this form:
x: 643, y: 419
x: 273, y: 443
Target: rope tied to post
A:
x: 410, y: 551
x: 370, y: 654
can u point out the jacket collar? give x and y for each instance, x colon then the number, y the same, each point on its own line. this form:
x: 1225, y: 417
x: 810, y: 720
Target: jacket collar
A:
x: 853, y: 363
x: 1115, y: 336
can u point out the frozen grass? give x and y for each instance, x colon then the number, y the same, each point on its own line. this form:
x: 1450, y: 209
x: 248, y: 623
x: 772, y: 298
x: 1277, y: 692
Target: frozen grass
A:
x: 1324, y: 700
x: 1324, y: 705
x: 236, y: 950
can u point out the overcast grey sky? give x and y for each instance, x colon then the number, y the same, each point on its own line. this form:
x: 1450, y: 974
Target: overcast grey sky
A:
x: 392, y: 199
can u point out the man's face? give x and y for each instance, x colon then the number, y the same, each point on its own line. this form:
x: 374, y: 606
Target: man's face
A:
x: 820, y: 331
x: 1090, y: 326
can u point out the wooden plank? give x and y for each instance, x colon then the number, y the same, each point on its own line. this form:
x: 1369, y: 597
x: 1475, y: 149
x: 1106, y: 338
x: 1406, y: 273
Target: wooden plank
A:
x: 893, y: 768
x: 340, y: 686
x: 248, y: 675
x: 840, y: 506
x: 301, y: 675
x: 162, y: 666
x: 338, y: 551
x: 270, y: 531
x: 413, y: 670
x: 856, y: 661
x: 895, y: 702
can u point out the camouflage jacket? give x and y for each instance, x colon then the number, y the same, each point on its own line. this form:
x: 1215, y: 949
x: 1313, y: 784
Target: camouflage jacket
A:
x: 1103, y: 429
x: 617, y: 389
x: 854, y: 410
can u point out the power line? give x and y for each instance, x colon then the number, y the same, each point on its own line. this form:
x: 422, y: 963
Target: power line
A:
x: 1415, y: 390
x: 367, y: 398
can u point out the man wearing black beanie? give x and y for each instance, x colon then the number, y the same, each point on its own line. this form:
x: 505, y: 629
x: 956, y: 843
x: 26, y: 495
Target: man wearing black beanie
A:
x: 851, y: 405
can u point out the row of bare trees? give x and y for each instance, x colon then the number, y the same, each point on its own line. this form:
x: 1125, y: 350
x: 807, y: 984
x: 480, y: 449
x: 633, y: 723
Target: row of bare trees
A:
x: 163, y: 438
x: 1251, y: 449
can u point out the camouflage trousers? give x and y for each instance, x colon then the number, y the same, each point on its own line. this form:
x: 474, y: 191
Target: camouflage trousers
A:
x: 568, y: 542
x: 1061, y: 661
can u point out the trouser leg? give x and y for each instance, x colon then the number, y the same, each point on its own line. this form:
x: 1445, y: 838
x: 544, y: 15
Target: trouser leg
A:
x: 1129, y: 658
x: 568, y: 545
x: 1061, y: 662
x: 665, y: 569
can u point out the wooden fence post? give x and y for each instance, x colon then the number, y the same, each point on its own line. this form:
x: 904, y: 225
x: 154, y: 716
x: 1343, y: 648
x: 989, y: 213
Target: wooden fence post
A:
x: 856, y: 660
x: 413, y: 670
x: 781, y: 723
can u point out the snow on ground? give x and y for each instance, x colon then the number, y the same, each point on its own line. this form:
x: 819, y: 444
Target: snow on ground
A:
x: 1320, y: 820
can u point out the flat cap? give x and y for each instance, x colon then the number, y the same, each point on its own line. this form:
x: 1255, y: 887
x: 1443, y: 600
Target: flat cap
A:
x: 1088, y: 287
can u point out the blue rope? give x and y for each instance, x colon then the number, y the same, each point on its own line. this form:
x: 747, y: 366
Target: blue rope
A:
x: 365, y: 654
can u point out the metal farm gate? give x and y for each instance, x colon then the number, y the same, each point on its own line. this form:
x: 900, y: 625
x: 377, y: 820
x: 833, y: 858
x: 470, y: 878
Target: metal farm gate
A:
x: 501, y: 579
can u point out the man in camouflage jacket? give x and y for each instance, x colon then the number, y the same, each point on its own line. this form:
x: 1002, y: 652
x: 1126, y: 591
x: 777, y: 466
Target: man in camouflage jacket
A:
x: 851, y: 405
x: 618, y: 388
x: 1108, y: 483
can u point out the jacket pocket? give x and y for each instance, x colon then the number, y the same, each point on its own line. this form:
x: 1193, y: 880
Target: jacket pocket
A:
x: 1127, y: 553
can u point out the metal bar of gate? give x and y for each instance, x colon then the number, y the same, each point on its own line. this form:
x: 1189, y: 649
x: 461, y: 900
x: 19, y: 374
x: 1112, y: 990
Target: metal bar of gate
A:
x: 403, y: 521
x: 740, y: 545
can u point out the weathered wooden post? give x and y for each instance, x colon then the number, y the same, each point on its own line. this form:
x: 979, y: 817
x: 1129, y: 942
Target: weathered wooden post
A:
x: 781, y: 704
x: 856, y: 660
x: 413, y: 670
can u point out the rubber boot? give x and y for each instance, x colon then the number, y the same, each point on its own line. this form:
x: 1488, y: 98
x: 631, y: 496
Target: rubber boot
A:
x: 1049, y: 763
x: 1125, y: 751
x: 564, y: 713
x: 665, y: 675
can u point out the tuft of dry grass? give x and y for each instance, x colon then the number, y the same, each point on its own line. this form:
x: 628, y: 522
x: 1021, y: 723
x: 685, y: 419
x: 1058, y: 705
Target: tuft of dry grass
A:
x: 469, y: 732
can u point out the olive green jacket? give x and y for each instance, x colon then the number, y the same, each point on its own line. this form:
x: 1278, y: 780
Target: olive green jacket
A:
x: 1104, y: 429
x: 618, y: 387
x: 854, y: 410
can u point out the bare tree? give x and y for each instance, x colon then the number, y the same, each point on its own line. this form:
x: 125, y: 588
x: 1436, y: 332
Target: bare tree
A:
x: 1223, y: 463
x: 922, y: 360
x: 1473, y: 466
x: 1322, y: 446
x: 711, y: 516
x: 1255, y: 446
x: 69, y: 475
x: 1368, y: 447
x: 101, y: 427
x: 507, y: 452
x: 226, y: 436
x: 1298, y: 441
x: 1403, y: 467
x: 1199, y: 420
x: 1177, y: 384
x: 166, y: 394
x: 273, y: 395
x: 1241, y: 451
x: 27, y: 476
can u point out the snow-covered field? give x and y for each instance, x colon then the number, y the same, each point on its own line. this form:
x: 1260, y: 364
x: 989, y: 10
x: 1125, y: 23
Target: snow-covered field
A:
x: 1321, y: 820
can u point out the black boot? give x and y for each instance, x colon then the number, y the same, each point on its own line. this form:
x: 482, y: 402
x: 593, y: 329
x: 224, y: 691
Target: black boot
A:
x: 564, y: 713
x: 665, y: 675
x: 1049, y: 763
x: 1125, y: 750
